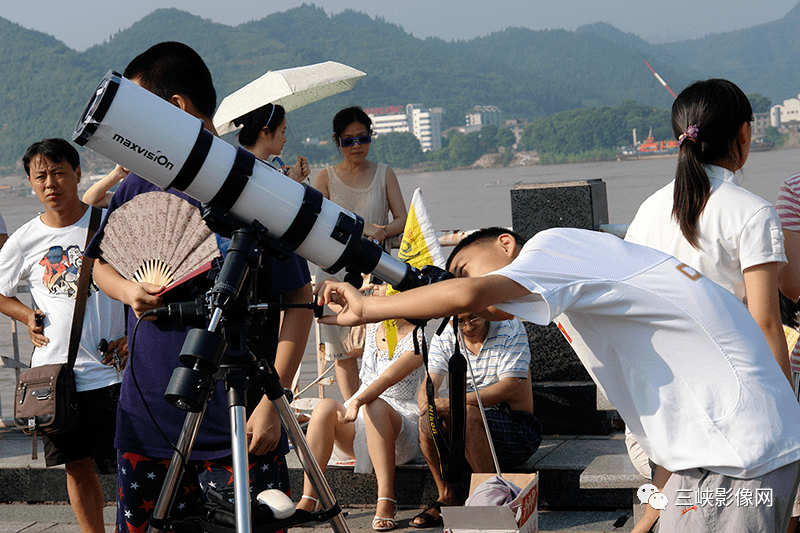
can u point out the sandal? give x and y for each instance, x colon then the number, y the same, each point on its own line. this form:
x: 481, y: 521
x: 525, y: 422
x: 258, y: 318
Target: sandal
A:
x: 317, y: 505
x: 427, y: 519
x: 392, y: 523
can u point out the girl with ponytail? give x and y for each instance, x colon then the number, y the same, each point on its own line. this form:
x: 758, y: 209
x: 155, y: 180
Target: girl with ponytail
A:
x: 706, y: 219
x: 721, y: 111
x: 712, y: 224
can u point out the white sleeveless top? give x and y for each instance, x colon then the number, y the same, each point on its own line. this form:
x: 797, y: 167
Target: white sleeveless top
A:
x: 376, y: 361
x: 371, y: 202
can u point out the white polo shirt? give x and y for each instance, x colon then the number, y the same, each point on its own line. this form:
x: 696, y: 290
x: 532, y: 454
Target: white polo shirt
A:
x: 680, y: 358
x: 736, y: 230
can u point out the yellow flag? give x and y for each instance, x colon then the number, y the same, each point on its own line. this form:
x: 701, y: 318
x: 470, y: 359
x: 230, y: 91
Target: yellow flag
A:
x: 390, y: 326
x: 419, y: 248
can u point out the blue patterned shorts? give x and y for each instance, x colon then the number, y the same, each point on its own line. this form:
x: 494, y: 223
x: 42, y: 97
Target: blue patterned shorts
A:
x: 516, y: 435
x: 139, y: 480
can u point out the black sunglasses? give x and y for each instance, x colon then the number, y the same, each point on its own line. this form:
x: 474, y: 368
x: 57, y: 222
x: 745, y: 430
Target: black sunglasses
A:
x: 363, y: 139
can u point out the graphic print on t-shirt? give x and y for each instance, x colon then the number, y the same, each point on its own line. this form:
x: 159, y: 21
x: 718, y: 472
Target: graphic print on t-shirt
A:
x: 61, y: 269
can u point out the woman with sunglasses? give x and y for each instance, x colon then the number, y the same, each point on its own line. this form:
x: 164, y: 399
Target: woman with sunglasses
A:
x: 368, y: 189
x: 364, y: 187
x: 263, y: 133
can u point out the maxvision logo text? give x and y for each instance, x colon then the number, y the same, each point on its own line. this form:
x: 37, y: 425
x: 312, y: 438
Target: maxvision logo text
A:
x: 153, y: 156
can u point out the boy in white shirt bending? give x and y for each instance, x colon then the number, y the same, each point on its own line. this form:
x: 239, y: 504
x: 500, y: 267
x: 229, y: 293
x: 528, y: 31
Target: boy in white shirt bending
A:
x: 680, y: 358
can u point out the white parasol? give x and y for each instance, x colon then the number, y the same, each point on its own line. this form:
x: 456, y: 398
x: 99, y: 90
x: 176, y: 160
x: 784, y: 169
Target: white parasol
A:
x: 290, y: 88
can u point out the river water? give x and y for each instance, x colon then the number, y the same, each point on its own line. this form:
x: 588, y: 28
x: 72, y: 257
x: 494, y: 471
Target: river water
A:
x: 474, y: 198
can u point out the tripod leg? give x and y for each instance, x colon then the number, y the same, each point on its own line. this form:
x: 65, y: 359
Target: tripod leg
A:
x: 309, y: 462
x: 190, y: 427
x: 241, y: 477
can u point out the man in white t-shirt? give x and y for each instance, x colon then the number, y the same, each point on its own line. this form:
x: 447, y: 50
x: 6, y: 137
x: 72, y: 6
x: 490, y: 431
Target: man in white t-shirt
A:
x: 681, y: 359
x: 46, y: 253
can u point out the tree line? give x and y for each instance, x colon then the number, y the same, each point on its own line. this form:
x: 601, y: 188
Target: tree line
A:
x: 402, y: 150
x: 569, y: 136
x: 46, y: 84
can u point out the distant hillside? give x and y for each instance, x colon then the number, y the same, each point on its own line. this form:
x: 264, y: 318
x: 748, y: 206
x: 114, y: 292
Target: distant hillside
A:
x: 43, y: 87
x: 586, y: 67
x: 528, y: 74
x: 610, y: 33
x: 759, y: 59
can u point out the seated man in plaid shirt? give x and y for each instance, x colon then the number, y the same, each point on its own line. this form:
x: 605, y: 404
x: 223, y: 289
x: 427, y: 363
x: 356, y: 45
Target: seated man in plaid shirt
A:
x: 500, y: 357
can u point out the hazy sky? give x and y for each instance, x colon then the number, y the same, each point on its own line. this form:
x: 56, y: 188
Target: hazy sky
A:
x: 82, y: 23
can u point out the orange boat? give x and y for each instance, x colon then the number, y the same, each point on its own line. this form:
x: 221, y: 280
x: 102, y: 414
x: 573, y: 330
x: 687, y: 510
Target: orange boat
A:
x: 651, y: 146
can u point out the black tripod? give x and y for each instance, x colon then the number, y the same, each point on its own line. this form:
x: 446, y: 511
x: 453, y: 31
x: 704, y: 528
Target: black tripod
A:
x: 204, y: 352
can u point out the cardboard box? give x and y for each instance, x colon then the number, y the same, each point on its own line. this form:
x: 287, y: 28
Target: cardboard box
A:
x: 498, y: 519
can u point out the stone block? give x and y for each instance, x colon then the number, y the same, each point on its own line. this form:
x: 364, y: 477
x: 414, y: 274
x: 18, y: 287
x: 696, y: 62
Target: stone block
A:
x: 37, y: 485
x: 569, y: 204
x: 569, y: 408
x: 552, y: 358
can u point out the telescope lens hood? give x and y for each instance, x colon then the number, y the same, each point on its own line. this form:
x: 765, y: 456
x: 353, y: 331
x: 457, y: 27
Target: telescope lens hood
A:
x: 96, y: 108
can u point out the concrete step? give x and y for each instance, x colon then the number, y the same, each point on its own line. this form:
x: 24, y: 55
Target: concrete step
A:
x: 28, y: 518
x: 560, y: 461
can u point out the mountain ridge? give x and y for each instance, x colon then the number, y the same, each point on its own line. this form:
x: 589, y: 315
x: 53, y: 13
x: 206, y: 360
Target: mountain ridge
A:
x: 526, y: 73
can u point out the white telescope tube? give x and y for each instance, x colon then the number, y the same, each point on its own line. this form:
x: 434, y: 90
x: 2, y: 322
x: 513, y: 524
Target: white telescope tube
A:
x: 170, y: 148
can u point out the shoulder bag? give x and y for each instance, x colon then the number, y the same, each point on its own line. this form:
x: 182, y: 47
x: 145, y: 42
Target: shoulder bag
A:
x: 45, y: 400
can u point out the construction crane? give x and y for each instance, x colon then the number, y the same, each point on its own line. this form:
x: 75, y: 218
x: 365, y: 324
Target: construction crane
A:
x: 660, y: 79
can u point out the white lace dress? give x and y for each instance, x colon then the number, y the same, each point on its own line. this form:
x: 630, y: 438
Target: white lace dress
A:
x: 402, y: 396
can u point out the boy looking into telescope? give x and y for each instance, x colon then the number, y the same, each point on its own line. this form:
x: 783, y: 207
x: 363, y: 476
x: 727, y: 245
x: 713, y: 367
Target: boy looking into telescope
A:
x: 176, y: 73
x: 680, y: 358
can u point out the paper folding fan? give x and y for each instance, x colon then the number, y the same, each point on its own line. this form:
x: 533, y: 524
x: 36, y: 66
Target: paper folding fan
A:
x: 159, y: 238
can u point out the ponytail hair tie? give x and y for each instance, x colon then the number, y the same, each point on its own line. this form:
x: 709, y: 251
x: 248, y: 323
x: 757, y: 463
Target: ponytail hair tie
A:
x: 689, y: 135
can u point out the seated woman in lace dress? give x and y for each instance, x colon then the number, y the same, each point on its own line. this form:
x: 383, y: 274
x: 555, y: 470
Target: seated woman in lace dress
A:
x: 382, y: 434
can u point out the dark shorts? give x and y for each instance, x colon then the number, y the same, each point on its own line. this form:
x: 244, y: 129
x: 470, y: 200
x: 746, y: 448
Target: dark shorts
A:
x: 94, y: 436
x: 516, y: 435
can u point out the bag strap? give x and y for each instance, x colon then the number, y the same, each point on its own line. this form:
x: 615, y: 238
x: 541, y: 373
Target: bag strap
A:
x: 451, y: 451
x: 439, y: 439
x: 457, y: 376
x: 84, y: 279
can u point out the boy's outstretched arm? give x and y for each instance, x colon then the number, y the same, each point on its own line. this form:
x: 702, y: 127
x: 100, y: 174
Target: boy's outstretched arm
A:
x: 446, y: 298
